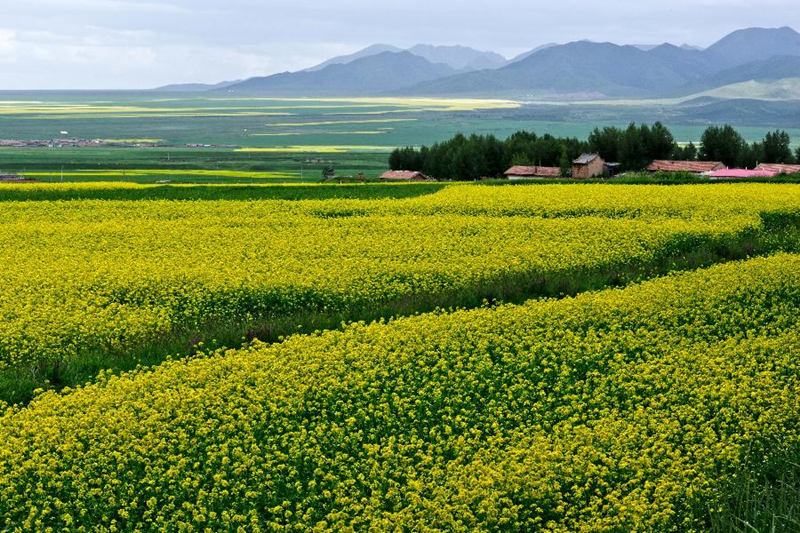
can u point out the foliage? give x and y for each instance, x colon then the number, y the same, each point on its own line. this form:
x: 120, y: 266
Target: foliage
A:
x: 688, y: 152
x: 635, y: 147
x: 623, y: 410
x: 482, y: 156
x: 722, y: 143
x: 776, y: 147
x: 479, y: 156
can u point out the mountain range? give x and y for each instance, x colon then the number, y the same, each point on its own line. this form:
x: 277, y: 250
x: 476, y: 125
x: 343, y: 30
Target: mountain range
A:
x: 580, y: 70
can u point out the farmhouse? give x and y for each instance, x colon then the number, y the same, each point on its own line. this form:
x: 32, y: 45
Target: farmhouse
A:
x: 694, y: 167
x: 520, y: 172
x: 405, y: 175
x: 588, y: 166
x: 734, y: 173
x: 779, y: 169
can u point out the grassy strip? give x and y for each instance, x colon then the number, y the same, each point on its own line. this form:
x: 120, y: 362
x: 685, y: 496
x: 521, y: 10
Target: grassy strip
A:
x: 764, y: 497
x: 780, y: 233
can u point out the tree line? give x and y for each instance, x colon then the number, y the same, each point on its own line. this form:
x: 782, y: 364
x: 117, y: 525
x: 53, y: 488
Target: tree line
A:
x: 634, y: 147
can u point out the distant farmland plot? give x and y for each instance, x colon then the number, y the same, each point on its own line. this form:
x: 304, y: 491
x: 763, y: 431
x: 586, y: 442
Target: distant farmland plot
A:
x: 242, y: 121
x: 251, y: 139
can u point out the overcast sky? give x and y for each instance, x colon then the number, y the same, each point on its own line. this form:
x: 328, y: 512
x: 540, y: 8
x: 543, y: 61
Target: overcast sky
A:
x: 112, y: 44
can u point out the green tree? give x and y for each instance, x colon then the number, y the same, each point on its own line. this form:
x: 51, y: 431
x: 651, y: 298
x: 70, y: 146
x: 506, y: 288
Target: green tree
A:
x: 564, y: 163
x: 686, y: 153
x: 659, y: 142
x: 797, y: 155
x: 606, y: 142
x: 408, y: 158
x: 632, y: 154
x: 521, y: 158
x: 751, y: 155
x: 777, y: 147
x: 722, y: 143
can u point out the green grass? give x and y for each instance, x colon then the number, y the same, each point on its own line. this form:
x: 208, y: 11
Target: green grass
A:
x: 181, y: 119
x: 306, y: 167
x: 765, y: 498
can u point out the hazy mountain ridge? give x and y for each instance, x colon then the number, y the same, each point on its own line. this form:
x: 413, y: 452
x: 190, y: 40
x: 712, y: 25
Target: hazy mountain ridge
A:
x: 576, y: 70
x: 611, y: 70
x: 372, y: 50
x: 754, y: 44
x: 373, y: 74
x: 456, y: 56
x: 196, y: 87
x: 459, y: 57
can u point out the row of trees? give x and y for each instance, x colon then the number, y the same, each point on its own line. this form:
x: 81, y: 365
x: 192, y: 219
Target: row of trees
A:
x: 634, y: 147
x: 480, y: 156
x: 727, y: 145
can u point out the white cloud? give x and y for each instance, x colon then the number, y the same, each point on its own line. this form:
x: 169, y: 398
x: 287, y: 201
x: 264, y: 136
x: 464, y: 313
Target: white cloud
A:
x: 139, y: 44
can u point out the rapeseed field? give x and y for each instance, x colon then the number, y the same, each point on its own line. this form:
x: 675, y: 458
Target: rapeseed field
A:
x: 631, y: 409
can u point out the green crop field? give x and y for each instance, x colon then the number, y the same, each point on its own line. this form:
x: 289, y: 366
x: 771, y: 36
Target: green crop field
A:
x: 286, y: 140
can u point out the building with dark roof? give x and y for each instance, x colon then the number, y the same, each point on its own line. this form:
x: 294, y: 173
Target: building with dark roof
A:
x: 588, y: 166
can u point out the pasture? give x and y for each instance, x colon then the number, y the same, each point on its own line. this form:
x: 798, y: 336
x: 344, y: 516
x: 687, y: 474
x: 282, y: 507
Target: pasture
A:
x: 288, y: 140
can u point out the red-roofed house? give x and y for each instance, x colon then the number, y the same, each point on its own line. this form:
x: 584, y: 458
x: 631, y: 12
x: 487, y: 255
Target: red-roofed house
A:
x: 727, y: 173
x: 405, y: 175
x: 520, y: 172
x: 695, y: 167
x: 779, y: 169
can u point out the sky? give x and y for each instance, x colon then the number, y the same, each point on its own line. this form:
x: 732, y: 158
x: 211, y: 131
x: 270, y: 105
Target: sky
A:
x: 136, y: 44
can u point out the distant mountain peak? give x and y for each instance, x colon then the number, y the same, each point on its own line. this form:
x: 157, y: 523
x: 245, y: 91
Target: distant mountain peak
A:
x: 579, y: 69
x: 370, y: 50
x: 753, y: 44
x: 370, y: 75
x: 459, y: 57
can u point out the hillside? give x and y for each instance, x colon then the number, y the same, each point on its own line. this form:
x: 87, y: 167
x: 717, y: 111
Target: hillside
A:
x: 756, y: 57
x: 195, y: 87
x: 766, y: 70
x: 587, y: 69
x: 782, y: 89
x: 581, y: 68
x: 370, y: 75
x: 754, y: 44
x: 373, y: 50
x: 459, y: 57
